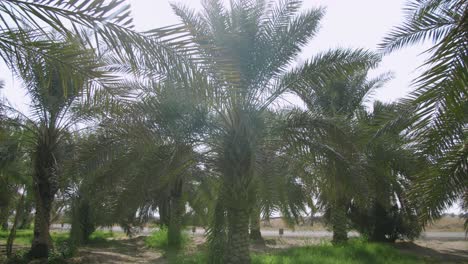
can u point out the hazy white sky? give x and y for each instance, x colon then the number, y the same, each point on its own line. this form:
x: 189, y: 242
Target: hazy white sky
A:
x: 348, y: 24
x: 353, y: 24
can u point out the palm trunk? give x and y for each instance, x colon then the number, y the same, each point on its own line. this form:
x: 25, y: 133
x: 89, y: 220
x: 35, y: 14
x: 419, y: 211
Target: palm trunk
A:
x: 41, y: 244
x: 339, y: 223
x: 255, y: 233
x: 45, y: 187
x: 174, y: 234
x: 82, y: 222
x: 217, y: 238
x: 380, y: 224
x: 26, y: 218
x: 238, y: 159
x: 164, y: 210
x: 238, y: 237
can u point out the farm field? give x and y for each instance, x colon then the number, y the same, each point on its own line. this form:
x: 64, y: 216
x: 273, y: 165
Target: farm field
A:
x: 233, y: 132
x: 116, y: 247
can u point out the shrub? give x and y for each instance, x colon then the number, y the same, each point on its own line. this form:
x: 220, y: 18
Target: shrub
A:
x: 382, y: 224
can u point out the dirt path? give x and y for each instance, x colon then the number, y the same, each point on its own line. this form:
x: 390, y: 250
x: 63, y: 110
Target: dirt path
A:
x: 441, y: 251
x: 119, y: 251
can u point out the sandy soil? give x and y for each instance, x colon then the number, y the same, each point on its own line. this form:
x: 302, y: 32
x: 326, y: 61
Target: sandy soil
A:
x: 440, y: 251
x: 119, y: 251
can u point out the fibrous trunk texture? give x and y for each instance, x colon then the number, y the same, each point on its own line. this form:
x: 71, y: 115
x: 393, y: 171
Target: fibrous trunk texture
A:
x: 177, y: 210
x: 41, y: 244
x: 45, y: 186
x: 339, y: 223
x: 255, y: 233
x: 26, y: 216
x: 238, y: 163
x: 238, y: 237
x: 164, y: 212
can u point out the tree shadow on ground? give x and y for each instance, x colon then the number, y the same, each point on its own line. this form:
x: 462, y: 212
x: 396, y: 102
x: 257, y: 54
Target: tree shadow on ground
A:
x: 442, y: 256
x: 118, y: 251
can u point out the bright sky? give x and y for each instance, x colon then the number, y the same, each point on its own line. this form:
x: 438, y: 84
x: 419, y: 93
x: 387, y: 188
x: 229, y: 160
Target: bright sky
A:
x: 348, y: 24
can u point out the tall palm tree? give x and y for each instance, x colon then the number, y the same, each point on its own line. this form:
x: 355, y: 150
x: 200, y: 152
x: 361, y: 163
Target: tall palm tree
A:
x: 174, y: 116
x: 246, y: 49
x: 57, y: 92
x: 439, y: 102
x: 144, y: 152
x: 326, y: 135
x: 391, y: 167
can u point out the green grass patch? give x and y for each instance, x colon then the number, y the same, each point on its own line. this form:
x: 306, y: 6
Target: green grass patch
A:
x: 62, y: 248
x: 25, y: 237
x: 158, y: 239
x: 101, y: 236
x: 354, y: 252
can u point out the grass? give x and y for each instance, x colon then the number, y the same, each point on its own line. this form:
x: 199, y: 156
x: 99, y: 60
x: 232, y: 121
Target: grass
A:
x: 62, y: 249
x: 354, y: 252
x: 100, y: 236
x: 25, y: 237
x: 158, y: 239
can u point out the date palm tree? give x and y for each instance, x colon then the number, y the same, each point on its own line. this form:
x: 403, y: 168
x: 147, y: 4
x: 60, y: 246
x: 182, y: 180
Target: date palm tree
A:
x: 392, y: 165
x: 143, y: 152
x: 439, y: 102
x: 326, y: 134
x: 171, y: 117
x: 57, y: 92
x: 246, y: 51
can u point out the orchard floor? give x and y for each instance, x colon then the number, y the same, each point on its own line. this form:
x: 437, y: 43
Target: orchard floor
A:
x: 134, y: 251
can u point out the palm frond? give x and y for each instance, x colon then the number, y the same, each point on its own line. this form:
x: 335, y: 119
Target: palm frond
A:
x: 425, y: 20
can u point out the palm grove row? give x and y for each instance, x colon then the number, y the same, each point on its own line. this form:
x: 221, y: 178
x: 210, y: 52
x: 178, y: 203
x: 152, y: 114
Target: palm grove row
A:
x: 184, y: 121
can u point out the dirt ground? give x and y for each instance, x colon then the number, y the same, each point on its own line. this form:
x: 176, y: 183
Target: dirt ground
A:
x: 119, y: 251
x: 134, y: 251
x: 441, y: 251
